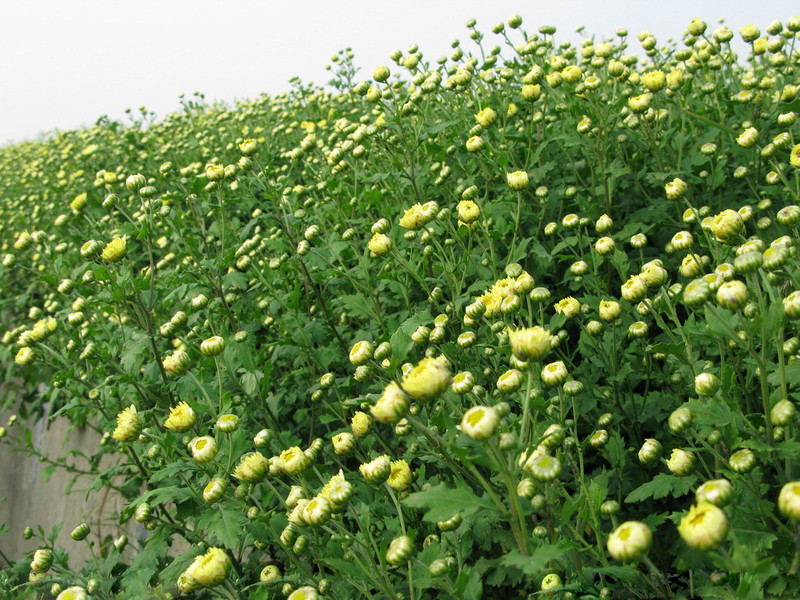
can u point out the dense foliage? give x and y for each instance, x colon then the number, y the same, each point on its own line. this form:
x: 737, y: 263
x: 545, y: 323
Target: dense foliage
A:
x: 519, y: 321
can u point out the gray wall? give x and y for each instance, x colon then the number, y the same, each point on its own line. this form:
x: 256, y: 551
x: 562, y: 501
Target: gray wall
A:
x: 31, y: 501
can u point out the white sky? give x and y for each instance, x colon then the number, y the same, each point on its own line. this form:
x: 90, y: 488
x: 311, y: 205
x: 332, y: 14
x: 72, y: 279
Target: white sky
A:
x: 64, y: 63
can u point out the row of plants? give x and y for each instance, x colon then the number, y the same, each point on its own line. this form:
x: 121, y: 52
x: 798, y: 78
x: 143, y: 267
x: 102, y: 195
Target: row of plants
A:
x: 518, y: 321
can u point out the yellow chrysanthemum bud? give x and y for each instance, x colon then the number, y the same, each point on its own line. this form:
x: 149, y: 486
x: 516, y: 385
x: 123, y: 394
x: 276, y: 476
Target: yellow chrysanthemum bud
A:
x: 569, y: 306
x: 480, y: 422
x: 181, y: 418
x: 630, y: 541
x: 203, y: 449
x: 675, y: 189
x: 294, y: 461
x: 486, y: 117
x: 517, y: 180
x: 654, y: 80
x: 727, y: 226
x: 704, y: 526
x: 114, y: 250
x: 251, y: 468
x: 412, y: 218
x: 129, y: 425
x: 42, y: 560
x: 210, y: 569
x: 789, y: 500
x: 377, y: 470
x: 74, y: 592
x: 716, y: 491
x: 24, y: 356
x: 399, y: 475
x: 428, y: 379
x: 468, y: 211
x: 213, y: 346
x: 214, y: 490
x: 531, y: 343
x: 391, y: 406
x: 360, y: 424
x: 379, y: 244
x: 343, y: 443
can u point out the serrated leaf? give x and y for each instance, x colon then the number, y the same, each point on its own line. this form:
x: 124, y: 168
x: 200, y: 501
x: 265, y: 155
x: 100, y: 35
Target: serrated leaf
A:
x: 534, y: 563
x: 144, y: 566
x: 223, y: 526
x: 661, y: 486
x: 625, y: 573
x: 401, y: 339
x: 356, y: 306
x: 469, y: 584
x: 792, y: 371
x: 132, y: 356
x: 443, y: 502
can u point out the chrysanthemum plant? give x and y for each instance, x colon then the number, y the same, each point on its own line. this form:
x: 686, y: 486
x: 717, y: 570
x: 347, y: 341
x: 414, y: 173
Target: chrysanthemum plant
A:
x: 521, y: 320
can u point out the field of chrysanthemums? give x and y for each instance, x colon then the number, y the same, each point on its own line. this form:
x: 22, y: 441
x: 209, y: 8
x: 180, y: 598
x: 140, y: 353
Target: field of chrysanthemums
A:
x: 518, y: 322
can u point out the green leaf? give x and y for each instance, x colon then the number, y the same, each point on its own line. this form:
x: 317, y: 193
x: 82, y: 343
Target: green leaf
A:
x: 792, y: 371
x: 356, y: 306
x: 534, y: 563
x: 235, y: 279
x: 625, y: 573
x: 469, y: 584
x: 661, y: 486
x: 401, y: 339
x: 133, y: 355
x: 223, y: 526
x: 144, y: 566
x: 344, y: 566
x: 443, y: 502
x: 722, y: 323
x: 249, y: 381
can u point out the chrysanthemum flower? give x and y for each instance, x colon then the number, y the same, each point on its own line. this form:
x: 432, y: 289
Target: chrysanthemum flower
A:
x: 210, y: 569
x: 391, y: 406
x: 129, y: 425
x: 630, y: 541
x: 530, y: 343
x: 789, y: 500
x: 377, y: 470
x: 114, y: 250
x: 399, y: 475
x: 251, y: 468
x: 428, y: 379
x: 480, y: 422
x: 293, y: 461
x: 181, y: 418
x: 704, y: 526
x: 569, y: 306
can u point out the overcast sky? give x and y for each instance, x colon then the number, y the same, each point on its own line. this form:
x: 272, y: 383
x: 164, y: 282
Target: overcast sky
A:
x: 64, y: 63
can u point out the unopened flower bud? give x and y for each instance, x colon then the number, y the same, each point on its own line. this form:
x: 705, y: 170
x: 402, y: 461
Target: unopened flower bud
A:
x: 630, y: 541
x: 704, y: 526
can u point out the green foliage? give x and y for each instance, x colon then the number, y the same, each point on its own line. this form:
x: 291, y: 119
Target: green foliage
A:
x: 195, y: 289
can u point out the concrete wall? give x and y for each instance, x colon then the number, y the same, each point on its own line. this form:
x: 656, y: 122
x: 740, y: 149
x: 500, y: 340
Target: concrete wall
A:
x: 31, y: 501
